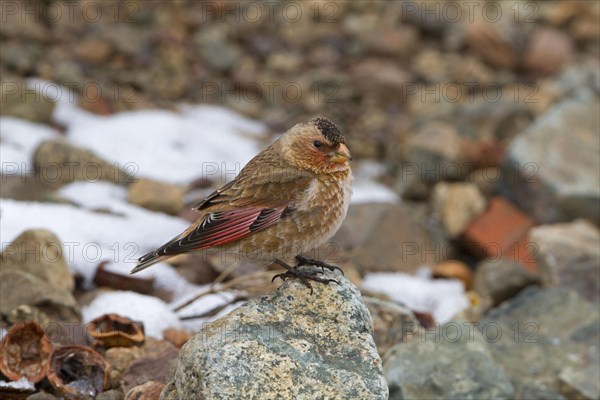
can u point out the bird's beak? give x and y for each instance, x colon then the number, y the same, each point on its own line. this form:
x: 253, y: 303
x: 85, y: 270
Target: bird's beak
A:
x: 342, y: 154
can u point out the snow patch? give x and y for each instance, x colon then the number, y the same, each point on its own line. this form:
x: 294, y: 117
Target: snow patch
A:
x: 153, y: 312
x: 19, y: 139
x: 21, y: 384
x: 442, y: 298
x: 366, y: 189
x: 89, y: 237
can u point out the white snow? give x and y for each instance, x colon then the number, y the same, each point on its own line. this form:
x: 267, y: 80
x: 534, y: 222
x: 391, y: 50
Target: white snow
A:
x: 204, y: 304
x: 442, y: 298
x: 89, y: 237
x: 366, y: 189
x: 177, y: 147
x: 153, y: 312
x: 21, y: 384
x: 19, y: 139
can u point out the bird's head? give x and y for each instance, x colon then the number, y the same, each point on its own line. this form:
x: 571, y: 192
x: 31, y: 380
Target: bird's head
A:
x: 317, y: 146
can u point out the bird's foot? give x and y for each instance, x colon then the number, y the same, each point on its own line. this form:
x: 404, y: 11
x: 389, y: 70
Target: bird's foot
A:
x: 303, y: 274
x: 321, y: 264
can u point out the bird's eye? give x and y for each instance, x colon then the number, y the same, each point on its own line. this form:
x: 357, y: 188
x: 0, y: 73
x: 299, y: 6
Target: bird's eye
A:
x: 317, y: 144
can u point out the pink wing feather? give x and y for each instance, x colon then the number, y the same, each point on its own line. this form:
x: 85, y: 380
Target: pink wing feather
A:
x: 218, y: 228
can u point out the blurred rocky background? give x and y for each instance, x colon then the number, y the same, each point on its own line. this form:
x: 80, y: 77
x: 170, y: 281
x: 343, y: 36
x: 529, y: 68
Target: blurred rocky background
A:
x: 478, y: 120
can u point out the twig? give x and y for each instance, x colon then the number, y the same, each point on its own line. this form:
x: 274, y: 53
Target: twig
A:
x: 238, y: 282
x: 214, y: 311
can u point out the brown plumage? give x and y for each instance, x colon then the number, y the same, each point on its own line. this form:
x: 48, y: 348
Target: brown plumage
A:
x: 289, y: 199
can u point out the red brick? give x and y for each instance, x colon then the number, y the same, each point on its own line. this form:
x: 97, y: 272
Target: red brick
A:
x: 493, y: 233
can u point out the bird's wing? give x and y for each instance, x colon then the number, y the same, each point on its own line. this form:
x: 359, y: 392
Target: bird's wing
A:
x: 252, y: 202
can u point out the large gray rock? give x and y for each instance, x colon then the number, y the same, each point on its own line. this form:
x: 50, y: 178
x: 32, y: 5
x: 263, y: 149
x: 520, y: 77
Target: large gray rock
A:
x: 569, y: 255
x: 552, y: 169
x: 40, y: 253
x: 19, y: 288
x: 58, y: 162
x: 541, y: 334
x: 451, y: 363
x: 392, y: 323
x: 436, y: 152
x: 391, y: 237
x: 287, y: 345
x: 501, y: 279
x: 456, y: 205
x: 20, y: 100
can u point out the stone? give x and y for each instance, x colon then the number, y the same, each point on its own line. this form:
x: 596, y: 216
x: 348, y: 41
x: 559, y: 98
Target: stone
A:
x: 540, y: 333
x: 284, y: 62
x: 57, y: 304
x: 156, y: 196
x: 146, y: 391
x: 58, y: 162
x: 43, y: 396
x: 457, y: 204
x: 497, y: 42
x: 581, y: 383
x: 25, y: 312
x: 552, y: 169
x: 381, y: 76
x: 500, y: 279
x: 549, y: 51
x: 93, y: 50
x: 114, y: 394
x: 363, y: 216
x: 121, y: 359
x: 21, y: 56
x: 568, y: 255
x: 401, y: 40
x: 429, y: 65
x: 21, y: 101
x: 159, y: 368
x: 40, y: 253
x: 456, y: 364
x: 390, y: 238
x: 215, y: 49
x: 289, y: 344
x: 498, y: 228
x: 392, y: 323
x: 435, y: 152
x: 177, y: 337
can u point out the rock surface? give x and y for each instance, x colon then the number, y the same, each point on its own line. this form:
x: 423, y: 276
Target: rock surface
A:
x: 392, y: 323
x: 541, y: 333
x: 58, y: 162
x: 55, y: 303
x: 568, y: 255
x: 387, y: 237
x: 553, y: 169
x: 156, y: 196
x: 420, y: 369
x: 22, y: 101
x: 40, y: 253
x: 289, y: 344
x: 456, y: 204
x: 501, y: 279
x: 147, y: 391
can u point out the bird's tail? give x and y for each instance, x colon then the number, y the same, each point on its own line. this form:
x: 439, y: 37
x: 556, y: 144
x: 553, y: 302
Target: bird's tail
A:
x: 147, y: 261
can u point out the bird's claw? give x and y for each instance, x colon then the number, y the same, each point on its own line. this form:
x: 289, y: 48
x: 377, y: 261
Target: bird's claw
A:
x: 321, y: 264
x: 305, y: 276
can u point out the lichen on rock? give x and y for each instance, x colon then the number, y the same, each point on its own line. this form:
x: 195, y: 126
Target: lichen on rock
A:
x: 289, y: 344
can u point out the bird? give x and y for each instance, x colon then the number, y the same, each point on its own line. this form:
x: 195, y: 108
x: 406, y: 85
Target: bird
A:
x: 287, y: 200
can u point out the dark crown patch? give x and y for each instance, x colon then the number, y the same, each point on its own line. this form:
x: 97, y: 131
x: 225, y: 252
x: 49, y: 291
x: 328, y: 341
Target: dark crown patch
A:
x: 328, y: 130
